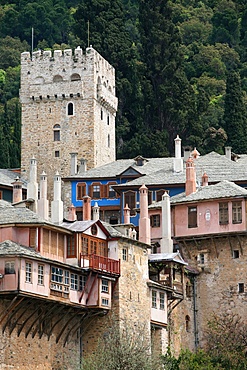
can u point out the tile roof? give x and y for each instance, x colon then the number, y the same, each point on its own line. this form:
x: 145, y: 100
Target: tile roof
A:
x: 223, y: 189
x: 7, y: 177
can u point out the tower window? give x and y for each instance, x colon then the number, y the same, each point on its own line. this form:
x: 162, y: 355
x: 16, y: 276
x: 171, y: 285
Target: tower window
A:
x: 56, y: 132
x: 70, y: 109
x: 236, y: 253
x: 109, y: 141
x: 57, y: 154
x: 101, y: 114
x: 108, y: 119
x: 241, y: 287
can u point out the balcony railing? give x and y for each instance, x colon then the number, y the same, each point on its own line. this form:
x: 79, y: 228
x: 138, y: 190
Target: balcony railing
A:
x: 100, y: 263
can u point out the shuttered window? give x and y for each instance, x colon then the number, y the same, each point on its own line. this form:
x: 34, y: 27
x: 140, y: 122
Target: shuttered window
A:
x: 32, y: 238
x: 80, y: 190
x: 236, y: 212
x: 223, y: 213
x: 130, y: 199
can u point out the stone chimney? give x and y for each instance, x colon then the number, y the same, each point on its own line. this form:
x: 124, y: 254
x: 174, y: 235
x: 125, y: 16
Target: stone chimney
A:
x: 204, y: 179
x: 83, y: 166
x: 17, y: 190
x: 186, y: 153
x: 190, y: 185
x: 32, y: 186
x: 71, y: 213
x: 57, y: 204
x: 126, y: 214
x: 73, y: 164
x: 166, y: 240
x: 144, y: 221
x: 96, y: 212
x: 178, y: 162
x: 228, y: 152
x: 43, y: 203
x: 86, y: 208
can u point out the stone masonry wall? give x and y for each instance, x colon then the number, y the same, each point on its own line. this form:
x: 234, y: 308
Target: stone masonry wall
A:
x: 48, y: 84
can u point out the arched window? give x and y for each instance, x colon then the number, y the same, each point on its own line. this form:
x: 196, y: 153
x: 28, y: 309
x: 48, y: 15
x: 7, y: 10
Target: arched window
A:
x: 70, y: 109
x: 75, y: 77
x: 56, y: 132
x: 57, y: 78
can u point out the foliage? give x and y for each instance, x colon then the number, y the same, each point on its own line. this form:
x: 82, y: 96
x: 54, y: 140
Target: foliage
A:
x: 125, y: 349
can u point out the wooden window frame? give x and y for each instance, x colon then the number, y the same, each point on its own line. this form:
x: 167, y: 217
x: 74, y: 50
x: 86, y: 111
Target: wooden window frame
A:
x: 71, y: 246
x: 40, y: 274
x: 109, y: 185
x: 160, y: 193
x: 81, y: 190
x: 28, y: 272
x: 154, y: 298
x: 91, y: 245
x: 131, y: 202
x: 237, y: 212
x: 223, y: 213
x: 155, y: 220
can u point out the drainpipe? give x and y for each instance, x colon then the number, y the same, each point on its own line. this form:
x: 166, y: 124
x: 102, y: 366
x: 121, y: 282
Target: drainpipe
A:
x: 195, y: 309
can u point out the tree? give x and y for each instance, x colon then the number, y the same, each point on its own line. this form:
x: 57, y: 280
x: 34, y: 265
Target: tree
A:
x: 235, y: 114
x: 125, y: 349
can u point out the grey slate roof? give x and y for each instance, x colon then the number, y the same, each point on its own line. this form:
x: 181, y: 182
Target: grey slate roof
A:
x: 10, y: 214
x: 12, y: 249
x: 176, y: 257
x: 7, y: 177
x: 223, y: 189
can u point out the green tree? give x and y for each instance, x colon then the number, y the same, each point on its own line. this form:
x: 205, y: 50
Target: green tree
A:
x: 235, y: 114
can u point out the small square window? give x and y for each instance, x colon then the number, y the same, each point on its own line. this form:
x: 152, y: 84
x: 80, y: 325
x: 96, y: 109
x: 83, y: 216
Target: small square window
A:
x: 105, y: 286
x: 57, y: 154
x: 241, y: 287
x: 105, y: 302
x: 236, y: 253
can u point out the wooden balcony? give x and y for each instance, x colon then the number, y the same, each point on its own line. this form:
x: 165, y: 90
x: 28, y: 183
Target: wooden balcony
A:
x: 100, y: 263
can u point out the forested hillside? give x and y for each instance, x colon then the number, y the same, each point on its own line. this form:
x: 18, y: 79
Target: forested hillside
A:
x: 181, y: 68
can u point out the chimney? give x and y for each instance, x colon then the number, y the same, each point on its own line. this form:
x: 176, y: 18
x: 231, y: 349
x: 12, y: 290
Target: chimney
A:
x: 190, y: 185
x: 195, y: 154
x: 96, y: 212
x: 204, y: 179
x: 32, y: 186
x: 83, y: 166
x: 43, y: 203
x: 144, y: 221
x: 71, y: 213
x: 86, y: 208
x: 57, y: 204
x: 228, y: 152
x: 126, y: 214
x: 73, y: 164
x: 178, y: 162
x: 166, y: 240
x: 186, y: 153
x: 17, y: 190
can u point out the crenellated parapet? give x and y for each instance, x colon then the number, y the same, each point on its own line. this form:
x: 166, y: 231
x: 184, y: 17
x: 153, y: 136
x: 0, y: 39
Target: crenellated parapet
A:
x: 65, y: 75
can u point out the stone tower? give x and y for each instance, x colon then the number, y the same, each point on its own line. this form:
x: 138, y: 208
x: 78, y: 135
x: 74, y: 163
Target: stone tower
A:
x: 68, y: 106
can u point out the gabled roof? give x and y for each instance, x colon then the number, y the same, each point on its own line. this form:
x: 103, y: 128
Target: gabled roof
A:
x: 165, y: 257
x: 224, y: 189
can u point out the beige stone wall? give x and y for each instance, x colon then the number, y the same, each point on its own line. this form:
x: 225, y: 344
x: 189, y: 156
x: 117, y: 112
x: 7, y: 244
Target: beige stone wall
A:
x: 44, y: 104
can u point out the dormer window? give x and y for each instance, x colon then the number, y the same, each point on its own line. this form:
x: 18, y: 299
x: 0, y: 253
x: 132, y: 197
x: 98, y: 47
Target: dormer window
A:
x: 139, y: 160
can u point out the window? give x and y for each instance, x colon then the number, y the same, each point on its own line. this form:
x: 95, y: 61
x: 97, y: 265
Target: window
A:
x: 109, y: 141
x: 9, y: 267
x: 71, y: 251
x: 40, y: 274
x: 94, y: 230
x: 105, y: 286
x: 85, y: 242
x: 236, y: 254
x: 241, y: 287
x: 187, y: 323
x: 28, y: 272
x: 105, y: 302
x: 154, y: 299
x: 66, y: 277
x: 159, y: 194
x: 155, y: 220
x: 236, y: 212
x: 101, y: 114
x: 162, y: 301
x: 192, y: 217
x: 56, y: 274
x: 82, y: 282
x: 96, y: 191
x: 108, y: 119
x: 74, y: 281
x: 124, y: 254
x: 70, y: 109
x: 57, y: 154
x: 150, y: 197
x: 188, y: 290
x: 111, y: 191
x: 80, y: 190
x: 201, y: 258
x: 56, y: 133
x: 130, y: 199
x: 223, y: 213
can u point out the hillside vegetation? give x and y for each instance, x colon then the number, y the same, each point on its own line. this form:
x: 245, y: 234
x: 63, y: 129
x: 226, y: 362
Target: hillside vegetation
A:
x: 181, y: 68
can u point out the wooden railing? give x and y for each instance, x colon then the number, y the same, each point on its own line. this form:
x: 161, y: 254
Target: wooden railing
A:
x: 100, y: 263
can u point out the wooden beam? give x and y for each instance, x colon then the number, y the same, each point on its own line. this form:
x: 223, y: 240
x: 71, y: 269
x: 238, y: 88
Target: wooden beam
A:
x: 60, y: 319
x: 22, y: 304
x: 65, y: 326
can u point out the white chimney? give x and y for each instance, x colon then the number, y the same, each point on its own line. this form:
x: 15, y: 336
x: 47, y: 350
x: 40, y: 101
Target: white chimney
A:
x: 57, y: 204
x: 83, y: 166
x: 178, y: 162
x: 228, y: 152
x: 144, y: 221
x: 73, y: 164
x: 96, y: 212
x: 166, y: 240
x: 43, y: 203
x: 32, y: 186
